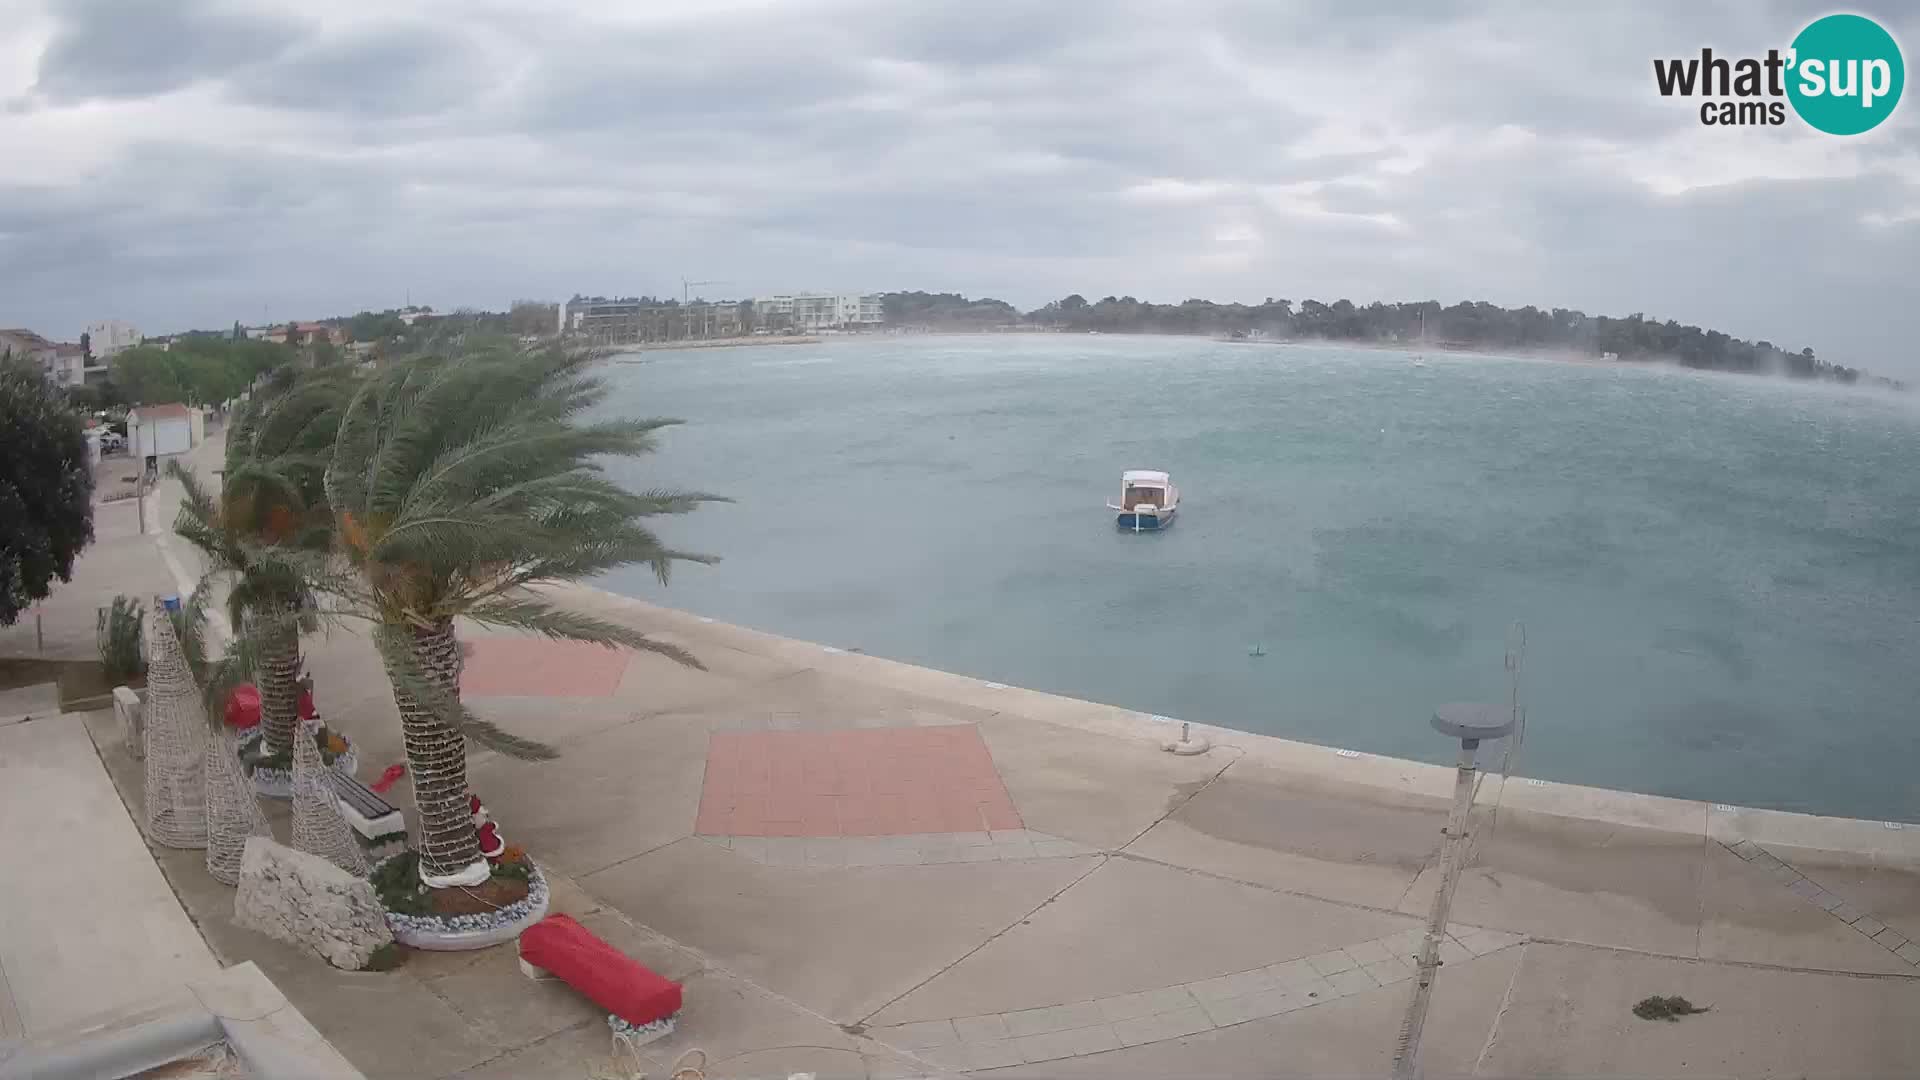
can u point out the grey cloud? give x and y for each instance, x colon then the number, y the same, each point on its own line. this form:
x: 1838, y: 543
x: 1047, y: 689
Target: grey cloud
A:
x: 136, y: 48
x: 998, y: 147
x: 395, y: 70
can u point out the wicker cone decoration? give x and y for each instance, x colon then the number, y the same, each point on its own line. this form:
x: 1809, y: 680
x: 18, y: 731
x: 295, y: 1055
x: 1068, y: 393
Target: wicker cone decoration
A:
x: 233, y: 814
x: 176, y: 740
x: 318, y: 826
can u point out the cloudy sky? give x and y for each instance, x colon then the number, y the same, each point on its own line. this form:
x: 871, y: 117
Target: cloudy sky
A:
x: 187, y: 163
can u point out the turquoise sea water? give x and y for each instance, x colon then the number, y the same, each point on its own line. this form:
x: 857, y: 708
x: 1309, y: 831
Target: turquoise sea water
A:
x: 1719, y: 576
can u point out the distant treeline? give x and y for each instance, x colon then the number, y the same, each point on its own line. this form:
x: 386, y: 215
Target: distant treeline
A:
x: 1477, y: 325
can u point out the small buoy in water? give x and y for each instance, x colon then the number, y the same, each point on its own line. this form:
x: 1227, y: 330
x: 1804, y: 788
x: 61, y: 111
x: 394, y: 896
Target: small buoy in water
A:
x: 1257, y: 650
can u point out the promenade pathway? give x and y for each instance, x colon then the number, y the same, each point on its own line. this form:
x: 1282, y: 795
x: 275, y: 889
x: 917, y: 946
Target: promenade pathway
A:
x: 862, y: 868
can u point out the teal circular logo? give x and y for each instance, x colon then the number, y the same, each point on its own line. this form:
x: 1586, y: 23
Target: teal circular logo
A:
x: 1846, y: 74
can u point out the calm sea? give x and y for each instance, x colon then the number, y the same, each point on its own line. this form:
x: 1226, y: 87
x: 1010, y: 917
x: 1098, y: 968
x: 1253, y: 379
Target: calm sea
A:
x: 1719, y: 577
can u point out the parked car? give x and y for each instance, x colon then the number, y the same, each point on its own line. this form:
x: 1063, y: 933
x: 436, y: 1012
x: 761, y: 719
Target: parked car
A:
x: 112, y: 443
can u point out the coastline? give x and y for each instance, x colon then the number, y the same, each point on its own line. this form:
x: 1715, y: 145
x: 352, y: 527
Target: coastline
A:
x: 710, y: 343
x: 1327, y: 764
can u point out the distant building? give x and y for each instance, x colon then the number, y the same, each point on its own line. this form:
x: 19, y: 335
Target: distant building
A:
x: 160, y: 430
x: 70, y: 365
x: 27, y: 346
x: 109, y: 337
x: 304, y: 333
x: 821, y: 311
x: 629, y: 319
x: 591, y: 314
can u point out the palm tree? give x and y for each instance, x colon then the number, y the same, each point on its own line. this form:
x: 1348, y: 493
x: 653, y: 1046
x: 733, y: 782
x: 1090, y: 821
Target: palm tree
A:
x: 269, y: 512
x: 461, y: 483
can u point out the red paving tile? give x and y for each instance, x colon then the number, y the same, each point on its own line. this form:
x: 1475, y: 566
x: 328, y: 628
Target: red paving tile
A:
x: 534, y: 667
x: 861, y: 782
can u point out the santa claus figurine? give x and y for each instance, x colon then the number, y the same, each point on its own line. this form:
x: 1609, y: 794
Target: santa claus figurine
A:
x: 491, y: 846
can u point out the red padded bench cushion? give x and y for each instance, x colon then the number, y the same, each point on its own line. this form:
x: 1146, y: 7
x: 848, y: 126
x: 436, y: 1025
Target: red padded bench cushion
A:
x: 610, y: 978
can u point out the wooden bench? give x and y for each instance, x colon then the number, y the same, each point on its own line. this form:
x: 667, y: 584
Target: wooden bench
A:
x: 647, y: 1003
x: 382, y: 830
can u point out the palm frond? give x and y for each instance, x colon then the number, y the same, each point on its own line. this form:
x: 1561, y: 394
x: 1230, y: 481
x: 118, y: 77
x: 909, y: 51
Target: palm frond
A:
x: 527, y: 613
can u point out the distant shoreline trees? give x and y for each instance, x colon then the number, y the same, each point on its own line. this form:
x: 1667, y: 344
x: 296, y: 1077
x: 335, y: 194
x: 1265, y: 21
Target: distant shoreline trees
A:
x: 1466, y: 325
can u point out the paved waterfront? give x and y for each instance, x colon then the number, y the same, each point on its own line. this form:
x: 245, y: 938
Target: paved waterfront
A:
x: 1246, y: 912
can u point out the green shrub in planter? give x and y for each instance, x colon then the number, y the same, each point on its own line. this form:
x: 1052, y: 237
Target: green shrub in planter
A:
x: 117, y: 631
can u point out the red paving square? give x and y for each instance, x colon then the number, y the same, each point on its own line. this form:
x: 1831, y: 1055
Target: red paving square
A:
x: 536, y: 667
x: 864, y: 782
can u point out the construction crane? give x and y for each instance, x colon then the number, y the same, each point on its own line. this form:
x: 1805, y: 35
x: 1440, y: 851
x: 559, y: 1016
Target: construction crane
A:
x: 706, y: 317
x: 686, y: 287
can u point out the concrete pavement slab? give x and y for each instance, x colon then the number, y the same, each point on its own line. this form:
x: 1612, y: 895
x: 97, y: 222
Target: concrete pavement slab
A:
x: 1095, y: 789
x: 1885, y: 887
x: 1749, y: 916
x: 1352, y: 1036
x: 609, y: 796
x: 811, y: 700
x: 391, y: 1024
x: 1570, y: 1012
x: 840, y: 941
x: 104, y: 932
x: 39, y: 700
x: 1580, y: 880
x: 745, y: 1031
x: 112, y: 565
x: 1176, y: 926
x: 1298, y: 832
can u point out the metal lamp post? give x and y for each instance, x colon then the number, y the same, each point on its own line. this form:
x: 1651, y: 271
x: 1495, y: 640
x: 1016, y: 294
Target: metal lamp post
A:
x: 1472, y: 725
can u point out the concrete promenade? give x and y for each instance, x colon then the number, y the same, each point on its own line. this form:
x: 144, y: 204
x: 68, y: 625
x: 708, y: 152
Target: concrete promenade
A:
x: 864, y: 868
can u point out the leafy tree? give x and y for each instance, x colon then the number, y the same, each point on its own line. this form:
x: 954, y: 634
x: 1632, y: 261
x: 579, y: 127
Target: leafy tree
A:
x: 376, y: 326
x: 533, y: 318
x: 46, y: 488
x: 195, y: 370
x: 945, y: 311
x: 1471, y: 325
x: 86, y: 347
x: 458, y: 483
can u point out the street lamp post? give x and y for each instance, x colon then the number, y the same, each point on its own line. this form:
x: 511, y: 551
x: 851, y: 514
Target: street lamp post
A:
x: 1472, y: 725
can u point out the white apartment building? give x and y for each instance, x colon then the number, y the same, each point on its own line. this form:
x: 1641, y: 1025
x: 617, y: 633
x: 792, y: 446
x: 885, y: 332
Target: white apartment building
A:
x: 823, y: 311
x: 109, y: 337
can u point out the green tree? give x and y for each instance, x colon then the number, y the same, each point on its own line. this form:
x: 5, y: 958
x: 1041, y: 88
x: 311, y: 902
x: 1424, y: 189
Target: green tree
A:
x: 459, y: 483
x: 270, y: 509
x: 533, y: 318
x: 46, y: 488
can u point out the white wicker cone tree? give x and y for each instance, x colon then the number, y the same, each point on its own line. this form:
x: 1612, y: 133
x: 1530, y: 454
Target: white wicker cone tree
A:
x: 318, y: 825
x: 233, y: 814
x: 175, y: 741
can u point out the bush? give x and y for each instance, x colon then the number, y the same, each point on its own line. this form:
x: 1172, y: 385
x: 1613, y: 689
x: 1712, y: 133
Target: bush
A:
x: 46, y: 488
x: 118, y: 633
x: 397, y: 881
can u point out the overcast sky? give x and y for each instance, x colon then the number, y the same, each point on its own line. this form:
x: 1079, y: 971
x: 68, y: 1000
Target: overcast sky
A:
x: 185, y: 163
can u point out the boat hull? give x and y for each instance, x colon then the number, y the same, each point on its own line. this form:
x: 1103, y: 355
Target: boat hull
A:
x: 1128, y: 521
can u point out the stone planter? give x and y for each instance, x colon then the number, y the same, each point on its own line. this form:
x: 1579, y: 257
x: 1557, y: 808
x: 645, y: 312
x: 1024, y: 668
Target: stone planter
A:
x: 457, y: 933
x: 278, y: 783
x: 130, y: 709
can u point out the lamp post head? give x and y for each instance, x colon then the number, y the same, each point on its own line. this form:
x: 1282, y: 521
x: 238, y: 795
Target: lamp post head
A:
x: 1472, y: 723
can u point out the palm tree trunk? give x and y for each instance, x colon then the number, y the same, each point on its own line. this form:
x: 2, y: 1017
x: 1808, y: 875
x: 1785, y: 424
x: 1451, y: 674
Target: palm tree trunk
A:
x: 437, y: 758
x: 277, y: 677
